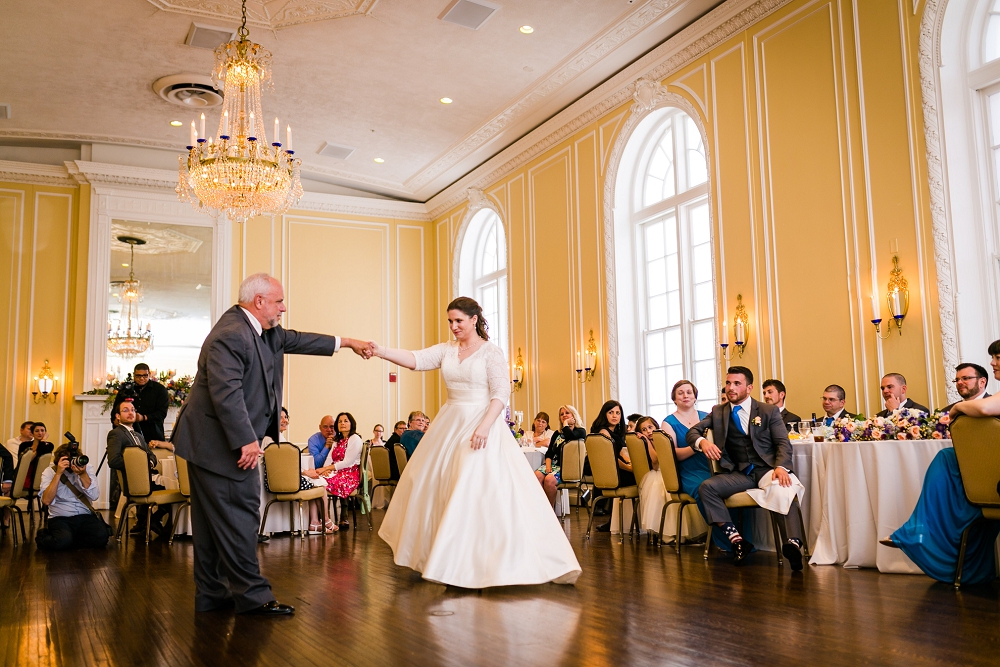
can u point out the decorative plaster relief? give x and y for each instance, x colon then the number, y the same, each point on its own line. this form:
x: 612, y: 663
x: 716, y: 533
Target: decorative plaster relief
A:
x: 648, y: 95
x: 269, y: 14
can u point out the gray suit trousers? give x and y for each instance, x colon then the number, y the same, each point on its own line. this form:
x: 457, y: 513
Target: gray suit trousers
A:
x: 714, y: 491
x: 225, y: 517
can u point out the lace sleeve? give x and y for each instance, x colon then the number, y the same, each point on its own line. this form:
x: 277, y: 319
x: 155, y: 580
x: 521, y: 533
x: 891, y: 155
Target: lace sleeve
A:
x: 430, y: 358
x: 497, y: 375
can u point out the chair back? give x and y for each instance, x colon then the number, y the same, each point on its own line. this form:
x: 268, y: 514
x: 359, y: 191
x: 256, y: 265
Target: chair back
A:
x: 161, y: 454
x: 21, y: 474
x: 44, y: 461
x: 601, y: 452
x: 637, y: 456
x: 381, y: 469
x: 574, y: 456
x: 713, y: 466
x: 282, y: 461
x: 400, y: 452
x: 137, y: 477
x: 183, y: 481
x: 977, y: 448
x: 668, y: 461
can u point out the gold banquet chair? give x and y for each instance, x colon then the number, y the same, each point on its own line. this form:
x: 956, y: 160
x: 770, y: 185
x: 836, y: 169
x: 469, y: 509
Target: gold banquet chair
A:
x: 34, y: 494
x: 184, y: 484
x: 977, y: 448
x: 17, y: 491
x: 601, y: 453
x: 282, y: 462
x: 137, y: 485
x: 381, y: 471
x: 667, y: 457
x: 400, y: 453
x: 574, y: 456
x: 640, y: 466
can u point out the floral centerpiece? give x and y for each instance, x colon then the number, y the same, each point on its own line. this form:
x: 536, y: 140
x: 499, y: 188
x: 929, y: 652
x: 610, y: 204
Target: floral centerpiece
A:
x: 518, y: 433
x: 178, y: 388
x: 900, y: 424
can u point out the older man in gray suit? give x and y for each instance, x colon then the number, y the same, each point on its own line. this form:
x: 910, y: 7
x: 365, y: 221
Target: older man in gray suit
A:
x: 234, y: 403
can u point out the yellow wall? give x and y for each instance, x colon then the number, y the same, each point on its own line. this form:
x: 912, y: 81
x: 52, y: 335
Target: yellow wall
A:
x: 813, y: 122
x: 361, y: 277
x: 39, y: 247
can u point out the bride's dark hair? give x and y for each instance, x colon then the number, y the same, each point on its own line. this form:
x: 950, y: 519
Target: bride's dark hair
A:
x: 472, y: 309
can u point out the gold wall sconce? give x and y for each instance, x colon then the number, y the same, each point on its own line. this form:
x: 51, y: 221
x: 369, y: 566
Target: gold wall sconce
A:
x: 897, y: 298
x: 45, y: 386
x: 741, y: 330
x: 586, y: 361
x: 518, y: 380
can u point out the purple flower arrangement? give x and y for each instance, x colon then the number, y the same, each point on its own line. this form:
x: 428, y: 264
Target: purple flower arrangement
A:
x: 902, y: 424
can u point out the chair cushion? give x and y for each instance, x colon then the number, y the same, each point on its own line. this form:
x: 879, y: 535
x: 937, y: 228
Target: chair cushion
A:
x: 741, y: 499
x: 5, y: 501
x: 621, y: 492
x: 992, y: 513
x: 164, y: 497
x: 308, y: 494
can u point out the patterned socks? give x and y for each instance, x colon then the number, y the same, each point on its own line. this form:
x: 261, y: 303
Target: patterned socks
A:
x: 729, y: 528
x: 796, y: 541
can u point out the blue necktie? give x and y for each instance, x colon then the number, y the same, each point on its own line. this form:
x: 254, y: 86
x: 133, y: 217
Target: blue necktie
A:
x: 829, y: 421
x: 736, y: 419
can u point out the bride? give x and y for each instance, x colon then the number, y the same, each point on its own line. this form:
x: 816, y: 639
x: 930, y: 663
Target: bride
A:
x: 468, y: 510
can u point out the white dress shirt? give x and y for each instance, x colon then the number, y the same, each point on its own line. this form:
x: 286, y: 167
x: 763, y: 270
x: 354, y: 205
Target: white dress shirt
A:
x: 65, y: 502
x: 255, y: 323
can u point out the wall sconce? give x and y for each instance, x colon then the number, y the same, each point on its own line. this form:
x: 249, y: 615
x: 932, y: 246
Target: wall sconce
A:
x: 741, y: 330
x: 518, y: 379
x: 586, y: 361
x: 897, y: 298
x: 45, y: 387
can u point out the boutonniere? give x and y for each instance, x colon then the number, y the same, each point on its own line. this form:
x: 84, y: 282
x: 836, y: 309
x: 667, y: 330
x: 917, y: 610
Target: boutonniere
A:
x: 756, y: 421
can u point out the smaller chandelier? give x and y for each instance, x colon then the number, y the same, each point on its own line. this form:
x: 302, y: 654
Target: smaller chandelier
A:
x: 237, y: 172
x: 128, y: 338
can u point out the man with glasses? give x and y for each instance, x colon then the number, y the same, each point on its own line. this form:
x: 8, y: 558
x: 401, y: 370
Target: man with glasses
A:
x: 319, y: 443
x: 834, y: 398
x: 151, y: 402
x: 970, y: 381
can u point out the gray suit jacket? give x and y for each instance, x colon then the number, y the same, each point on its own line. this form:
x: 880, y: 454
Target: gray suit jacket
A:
x: 236, y: 396
x: 770, y: 439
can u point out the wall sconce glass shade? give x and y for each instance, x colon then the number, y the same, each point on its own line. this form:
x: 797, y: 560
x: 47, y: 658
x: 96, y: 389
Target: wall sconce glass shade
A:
x: 518, y: 381
x: 45, y: 386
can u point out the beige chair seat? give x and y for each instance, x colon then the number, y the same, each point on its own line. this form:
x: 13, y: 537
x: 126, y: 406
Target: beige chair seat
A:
x: 164, y: 497
x: 309, y: 494
x: 741, y: 499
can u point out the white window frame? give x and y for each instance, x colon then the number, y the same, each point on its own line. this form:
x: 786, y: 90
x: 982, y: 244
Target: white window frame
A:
x: 470, y: 283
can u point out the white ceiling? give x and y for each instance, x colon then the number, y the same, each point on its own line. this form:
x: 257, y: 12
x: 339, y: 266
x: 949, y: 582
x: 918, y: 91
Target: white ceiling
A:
x: 79, y: 73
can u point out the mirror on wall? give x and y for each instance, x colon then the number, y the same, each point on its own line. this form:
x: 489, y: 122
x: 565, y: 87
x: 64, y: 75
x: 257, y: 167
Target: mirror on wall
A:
x: 160, y: 296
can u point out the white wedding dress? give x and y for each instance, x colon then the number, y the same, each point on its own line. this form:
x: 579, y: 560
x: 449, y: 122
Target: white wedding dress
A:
x: 474, y: 518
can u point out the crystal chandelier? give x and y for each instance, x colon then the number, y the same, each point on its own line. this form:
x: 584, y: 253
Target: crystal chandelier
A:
x: 129, y: 339
x: 237, y: 172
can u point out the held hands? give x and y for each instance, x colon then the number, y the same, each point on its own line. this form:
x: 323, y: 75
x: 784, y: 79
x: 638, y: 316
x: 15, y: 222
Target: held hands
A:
x: 364, y: 349
x: 250, y: 453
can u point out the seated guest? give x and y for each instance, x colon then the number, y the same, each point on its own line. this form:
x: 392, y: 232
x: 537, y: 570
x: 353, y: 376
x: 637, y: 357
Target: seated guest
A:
x: 40, y: 446
x: 376, y: 439
x: 416, y: 427
x: 390, y: 444
x: 751, y: 442
x: 932, y: 536
x: 549, y: 473
x: 970, y: 382
x: 319, y: 443
x: 834, y: 398
x: 69, y: 492
x: 342, y: 468
x: 610, y: 423
x: 122, y: 436
x: 774, y: 394
x: 14, y: 444
x: 283, y: 425
x: 540, y: 434
x: 633, y: 419
x: 894, y: 395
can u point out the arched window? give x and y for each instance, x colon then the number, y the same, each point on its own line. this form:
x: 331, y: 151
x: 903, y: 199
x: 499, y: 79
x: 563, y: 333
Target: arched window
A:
x: 483, y: 271
x: 665, y: 276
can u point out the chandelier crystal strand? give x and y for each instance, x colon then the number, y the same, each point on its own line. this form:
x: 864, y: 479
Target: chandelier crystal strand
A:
x: 238, y: 173
x: 127, y: 341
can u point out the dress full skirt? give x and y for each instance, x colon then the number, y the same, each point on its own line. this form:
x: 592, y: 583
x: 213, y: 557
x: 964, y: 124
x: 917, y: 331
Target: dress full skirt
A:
x: 475, y: 518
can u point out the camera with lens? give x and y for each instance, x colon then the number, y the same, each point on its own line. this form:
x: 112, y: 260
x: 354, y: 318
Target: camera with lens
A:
x: 76, y: 457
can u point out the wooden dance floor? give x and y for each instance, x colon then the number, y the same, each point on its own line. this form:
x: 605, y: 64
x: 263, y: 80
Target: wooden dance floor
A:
x: 633, y: 605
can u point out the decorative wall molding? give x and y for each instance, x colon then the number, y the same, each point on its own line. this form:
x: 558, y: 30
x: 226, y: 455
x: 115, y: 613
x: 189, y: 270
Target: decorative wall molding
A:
x: 101, y: 173
x: 269, y: 14
x: 648, y: 95
x: 929, y: 57
x: 34, y: 174
x: 382, y: 208
x: 704, y: 34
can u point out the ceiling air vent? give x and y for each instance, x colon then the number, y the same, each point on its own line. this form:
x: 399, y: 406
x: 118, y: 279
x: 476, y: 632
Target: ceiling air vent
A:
x: 192, y: 91
x: 4, y: 111
x: 469, y: 13
x: 208, y: 36
x: 336, y: 150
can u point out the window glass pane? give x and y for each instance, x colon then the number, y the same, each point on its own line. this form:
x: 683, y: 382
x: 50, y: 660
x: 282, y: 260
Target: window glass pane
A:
x: 697, y: 170
x: 657, y: 385
x: 654, y: 240
x: 675, y: 373
x: 703, y: 339
x: 994, y: 103
x: 671, y: 272
x: 501, y: 245
x: 703, y: 304
x: 996, y: 168
x: 654, y: 349
x: 488, y: 256
x: 699, y: 224
x: 660, y: 411
x: 657, y: 277
x: 701, y: 263
x: 657, y: 315
x: 673, y: 347
x: 670, y: 232
x: 660, y: 171
x: 991, y: 41
x: 673, y: 308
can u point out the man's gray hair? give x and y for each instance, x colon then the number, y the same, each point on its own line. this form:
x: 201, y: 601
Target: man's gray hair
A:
x: 258, y: 283
x: 415, y: 414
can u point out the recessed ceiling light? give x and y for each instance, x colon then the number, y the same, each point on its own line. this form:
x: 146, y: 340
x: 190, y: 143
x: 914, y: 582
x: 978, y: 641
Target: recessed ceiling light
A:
x: 176, y: 123
x: 446, y: 100
x: 379, y: 160
x: 526, y: 29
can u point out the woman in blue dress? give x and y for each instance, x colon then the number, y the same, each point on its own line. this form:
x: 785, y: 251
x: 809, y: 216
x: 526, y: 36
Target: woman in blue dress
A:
x: 933, y: 535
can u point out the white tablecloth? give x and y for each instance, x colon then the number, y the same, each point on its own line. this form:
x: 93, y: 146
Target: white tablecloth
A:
x: 861, y: 492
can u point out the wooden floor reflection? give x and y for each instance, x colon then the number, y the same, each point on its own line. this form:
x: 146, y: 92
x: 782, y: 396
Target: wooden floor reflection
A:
x: 633, y: 605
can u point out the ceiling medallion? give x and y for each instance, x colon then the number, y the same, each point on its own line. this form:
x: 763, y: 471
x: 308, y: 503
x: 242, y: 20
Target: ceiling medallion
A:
x: 127, y: 339
x: 270, y: 14
x: 237, y: 172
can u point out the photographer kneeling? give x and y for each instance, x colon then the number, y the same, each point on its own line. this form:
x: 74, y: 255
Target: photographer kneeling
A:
x: 69, y: 491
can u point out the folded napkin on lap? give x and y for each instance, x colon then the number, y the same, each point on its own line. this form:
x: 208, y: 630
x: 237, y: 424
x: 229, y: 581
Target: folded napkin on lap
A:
x: 772, y: 496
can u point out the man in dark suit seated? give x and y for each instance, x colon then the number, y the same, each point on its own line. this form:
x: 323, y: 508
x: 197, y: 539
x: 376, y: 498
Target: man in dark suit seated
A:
x: 397, y: 431
x: 754, y: 442
x: 122, y: 436
x: 970, y: 382
x: 834, y: 398
x: 894, y: 395
x: 774, y: 394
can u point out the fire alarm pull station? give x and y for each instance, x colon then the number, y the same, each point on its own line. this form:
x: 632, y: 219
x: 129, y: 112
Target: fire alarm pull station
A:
x: 392, y: 377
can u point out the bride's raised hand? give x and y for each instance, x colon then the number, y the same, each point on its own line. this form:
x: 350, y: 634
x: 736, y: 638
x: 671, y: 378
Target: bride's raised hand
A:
x: 480, y: 436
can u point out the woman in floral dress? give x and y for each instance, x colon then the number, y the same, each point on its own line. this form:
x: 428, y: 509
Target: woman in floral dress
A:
x: 342, y: 469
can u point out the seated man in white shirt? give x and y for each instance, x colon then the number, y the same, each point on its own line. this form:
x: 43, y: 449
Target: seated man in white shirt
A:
x: 69, y: 491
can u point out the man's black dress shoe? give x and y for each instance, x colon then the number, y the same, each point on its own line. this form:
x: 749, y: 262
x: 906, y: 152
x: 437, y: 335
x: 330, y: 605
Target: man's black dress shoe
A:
x: 741, y: 550
x: 793, y: 553
x: 263, y: 538
x: 272, y: 608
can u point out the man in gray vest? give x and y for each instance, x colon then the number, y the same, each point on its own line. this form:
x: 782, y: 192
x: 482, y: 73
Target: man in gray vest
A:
x: 234, y: 403
x: 754, y: 442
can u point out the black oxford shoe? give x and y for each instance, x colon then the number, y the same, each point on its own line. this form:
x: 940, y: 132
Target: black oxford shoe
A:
x: 273, y: 608
x: 793, y: 553
x: 741, y: 550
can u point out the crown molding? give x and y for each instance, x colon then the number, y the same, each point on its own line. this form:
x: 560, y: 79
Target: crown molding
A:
x: 102, y: 173
x: 345, y: 204
x: 691, y: 43
x: 35, y: 174
x: 269, y: 14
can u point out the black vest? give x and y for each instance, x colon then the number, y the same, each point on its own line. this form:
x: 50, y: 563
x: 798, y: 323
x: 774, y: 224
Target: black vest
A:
x: 740, y: 448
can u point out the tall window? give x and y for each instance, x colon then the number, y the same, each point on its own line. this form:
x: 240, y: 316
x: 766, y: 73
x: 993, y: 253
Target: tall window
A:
x: 483, y: 271
x: 673, y: 292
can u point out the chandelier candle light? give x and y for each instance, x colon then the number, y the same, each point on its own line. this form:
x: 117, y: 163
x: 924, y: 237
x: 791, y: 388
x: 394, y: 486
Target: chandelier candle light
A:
x: 897, y: 297
x: 238, y: 173
x: 586, y: 362
x: 126, y: 341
